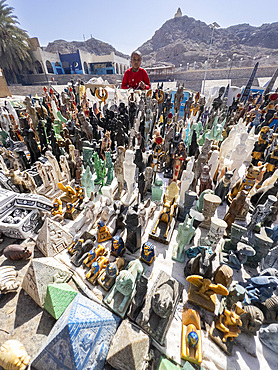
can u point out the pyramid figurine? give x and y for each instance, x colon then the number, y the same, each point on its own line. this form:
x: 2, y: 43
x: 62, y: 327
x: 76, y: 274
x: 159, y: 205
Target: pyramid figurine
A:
x: 52, y: 238
x: 41, y: 273
x: 129, y: 348
x: 80, y: 339
x: 58, y: 297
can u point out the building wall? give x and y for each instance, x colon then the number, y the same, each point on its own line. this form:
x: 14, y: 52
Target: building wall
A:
x: 79, y: 62
x: 71, y: 63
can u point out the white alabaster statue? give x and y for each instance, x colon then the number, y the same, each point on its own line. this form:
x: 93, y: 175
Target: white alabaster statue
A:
x: 65, y: 167
x: 252, y: 138
x: 53, y: 161
x: 52, y: 175
x: 227, y: 146
x: 186, y: 179
x: 213, y: 162
x: 239, y: 155
x: 43, y: 175
x: 129, y: 173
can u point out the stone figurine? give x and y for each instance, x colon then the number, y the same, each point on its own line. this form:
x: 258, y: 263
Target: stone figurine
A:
x: 235, y: 208
x: 211, y: 202
x: 186, y: 179
x: 157, y: 313
x: 16, y: 252
x: 252, y: 319
x: 133, y: 227
x: 169, y: 207
x: 202, y: 292
x: 200, y: 265
x: 223, y: 186
x: 108, y: 276
x: 186, y: 232
x: 119, y: 171
x: 205, y: 179
x: 120, y: 295
x: 129, y: 174
x: 138, y: 299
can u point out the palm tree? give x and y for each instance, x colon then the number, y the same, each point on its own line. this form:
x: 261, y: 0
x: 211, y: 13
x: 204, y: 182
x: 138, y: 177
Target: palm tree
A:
x: 15, y: 53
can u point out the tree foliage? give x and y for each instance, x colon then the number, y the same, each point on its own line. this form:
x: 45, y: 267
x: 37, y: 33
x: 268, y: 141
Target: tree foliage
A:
x: 15, y: 53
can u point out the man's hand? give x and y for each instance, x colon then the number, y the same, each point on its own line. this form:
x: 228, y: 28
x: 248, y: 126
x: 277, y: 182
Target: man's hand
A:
x: 142, y: 85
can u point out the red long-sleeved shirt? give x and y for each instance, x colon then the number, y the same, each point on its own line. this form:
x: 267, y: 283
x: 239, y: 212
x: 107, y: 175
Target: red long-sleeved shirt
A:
x: 132, y: 79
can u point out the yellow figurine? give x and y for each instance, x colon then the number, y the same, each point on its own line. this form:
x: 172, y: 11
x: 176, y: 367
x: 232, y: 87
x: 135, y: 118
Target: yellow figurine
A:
x: 202, y: 292
x: 229, y: 322
x: 191, y: 338
x: 57, y: 207
x: 71, y: 195
x: 103, y: 233
x: 93, y: 255
x: 96, y: 268
x: 169, y: 207
x: 75, y: 245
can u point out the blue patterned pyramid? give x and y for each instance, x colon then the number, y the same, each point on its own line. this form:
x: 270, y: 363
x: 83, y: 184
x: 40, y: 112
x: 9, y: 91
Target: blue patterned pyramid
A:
x: 80, y: 339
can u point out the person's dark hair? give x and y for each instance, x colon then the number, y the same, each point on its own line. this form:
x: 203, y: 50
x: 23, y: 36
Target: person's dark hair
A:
x: 136, y: 52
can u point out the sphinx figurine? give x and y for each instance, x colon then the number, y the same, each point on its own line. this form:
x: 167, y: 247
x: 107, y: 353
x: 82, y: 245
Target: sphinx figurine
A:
x: 159, y: 308
x: 119, y: 297
x: 108, y: 276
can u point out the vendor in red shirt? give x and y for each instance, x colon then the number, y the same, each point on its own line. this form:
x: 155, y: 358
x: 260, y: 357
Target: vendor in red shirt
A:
x: 136, y: 77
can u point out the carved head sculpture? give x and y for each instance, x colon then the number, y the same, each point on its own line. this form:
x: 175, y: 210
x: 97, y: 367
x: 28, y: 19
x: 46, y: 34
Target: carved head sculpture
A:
x: 228, y: 175
x: 117, y: 246
x: 252, y: 320
x: 163, y: 300
x: 205, y: 170
x: 70, y: 207
x: 125, y: 283
x: 147, y: 252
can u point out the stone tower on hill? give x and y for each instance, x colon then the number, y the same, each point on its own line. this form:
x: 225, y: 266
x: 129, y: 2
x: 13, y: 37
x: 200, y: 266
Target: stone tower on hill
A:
x: 178, y: 13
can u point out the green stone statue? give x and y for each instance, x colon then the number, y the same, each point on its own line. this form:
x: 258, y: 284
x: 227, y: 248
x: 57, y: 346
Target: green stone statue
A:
x: 100, y: 170
x: 157, y: 190
x: 110, y: 168
x: 87, y: 181
x: 200, y: 201
x: 186, y: 232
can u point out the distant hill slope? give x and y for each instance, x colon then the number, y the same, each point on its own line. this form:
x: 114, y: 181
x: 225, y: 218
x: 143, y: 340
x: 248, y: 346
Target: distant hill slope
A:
x: 186, y: 40
x: 91, y: 46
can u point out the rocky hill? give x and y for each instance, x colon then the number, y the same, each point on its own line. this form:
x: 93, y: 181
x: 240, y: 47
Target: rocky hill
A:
x: 183, y: 40
x: 91, y: 46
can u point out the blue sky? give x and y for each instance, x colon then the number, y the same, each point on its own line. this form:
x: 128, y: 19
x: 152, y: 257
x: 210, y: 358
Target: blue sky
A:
x: 128, y: 24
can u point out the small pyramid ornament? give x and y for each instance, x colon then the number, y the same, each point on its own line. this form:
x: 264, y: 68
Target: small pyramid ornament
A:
x: 53, y: 238
x: 58, y: 297
x: 41, y: 273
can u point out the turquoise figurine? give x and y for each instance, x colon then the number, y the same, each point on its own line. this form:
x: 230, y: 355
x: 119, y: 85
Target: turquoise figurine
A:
x: 186, y: 232
x: 200, y: 201
x: 157, y: 190
x: 87, y: 182
x: 110, y: 168
x: 119, y: 297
